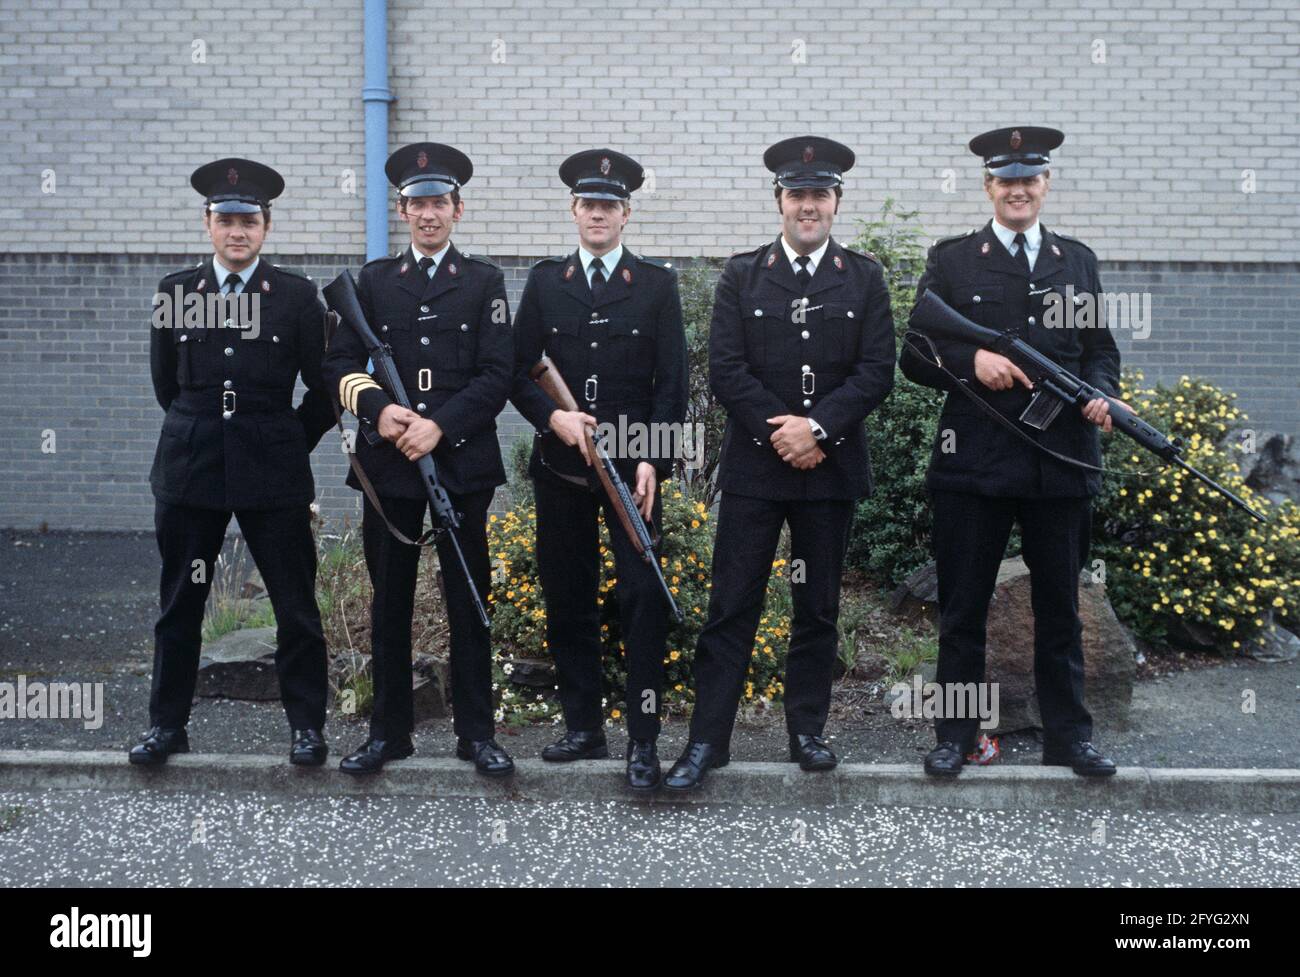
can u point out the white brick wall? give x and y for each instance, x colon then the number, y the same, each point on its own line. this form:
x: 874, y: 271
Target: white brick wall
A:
x: 104, y: 92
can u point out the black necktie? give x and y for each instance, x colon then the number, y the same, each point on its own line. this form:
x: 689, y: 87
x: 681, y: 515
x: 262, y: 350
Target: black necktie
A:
x: 1022, y: 256
x: 803, y: 276
x: 425, y: 263
x: 232, y: 283
x: 597, y: 278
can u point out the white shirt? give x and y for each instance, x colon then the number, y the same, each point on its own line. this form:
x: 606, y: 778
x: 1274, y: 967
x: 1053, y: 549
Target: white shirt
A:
x: 1033, y: 240
x: 222, y: 273
x: 417, y: 254
x: 814, y: 259
x: 609, y: 261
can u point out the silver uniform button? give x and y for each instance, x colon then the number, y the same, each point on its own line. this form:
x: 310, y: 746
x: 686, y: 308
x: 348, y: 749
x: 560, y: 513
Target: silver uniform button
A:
x: 275, y: 339
x: 229, y: 323
x: 804, y: 300
x: 636, y: 332
x: 807, y: 403
x: 804, y: 334
x: 805, y: 369
x: 464, y: 327
x: 384, y: 327
x: 184, y: 338
x: 229, y: 351
x: 227, y: 415
x: 850, y: 313
x: 758, y: 312
x: 420, y: 406
x: 228, y: 385
x: 555, y: 329
x: 976, y: 299
x: 594, y: 345
x: 424, y: 308
x: 1031, y: 320
x: 424, y: 340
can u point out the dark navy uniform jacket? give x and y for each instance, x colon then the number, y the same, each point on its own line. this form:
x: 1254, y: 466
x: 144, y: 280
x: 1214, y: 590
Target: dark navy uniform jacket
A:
x: 830, y: 358
x: 977, y: 276
x: 257, y: 457
x: 450, y: 337
x: 622, y: 357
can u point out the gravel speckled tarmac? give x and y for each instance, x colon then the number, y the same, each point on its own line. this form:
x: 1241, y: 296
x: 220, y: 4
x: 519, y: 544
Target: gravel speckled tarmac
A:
x: 239, y: 839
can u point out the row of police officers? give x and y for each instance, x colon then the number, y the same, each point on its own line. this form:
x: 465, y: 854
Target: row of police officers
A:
x: 801, y: 351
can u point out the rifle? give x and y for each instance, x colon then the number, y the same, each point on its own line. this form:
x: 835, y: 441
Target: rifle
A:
x: 341, y: 298
x: 549, y: 379
x: 1054, y: 387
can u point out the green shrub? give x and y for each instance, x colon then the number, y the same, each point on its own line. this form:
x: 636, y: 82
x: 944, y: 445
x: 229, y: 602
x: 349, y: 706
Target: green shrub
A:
x: 519, y: 614
x: 1176, y: 550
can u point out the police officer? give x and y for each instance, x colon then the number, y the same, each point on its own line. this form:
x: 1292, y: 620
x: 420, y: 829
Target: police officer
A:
x: 801, y: 350
x: 983, y: 476
x: 230, y: 338
x: 611, y: 323
x: 444, y: 314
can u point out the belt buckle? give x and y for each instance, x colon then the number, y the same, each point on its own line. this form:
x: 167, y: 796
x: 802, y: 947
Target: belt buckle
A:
x: 589, y: 389
x: 227, y: 404
x: 809, y: 384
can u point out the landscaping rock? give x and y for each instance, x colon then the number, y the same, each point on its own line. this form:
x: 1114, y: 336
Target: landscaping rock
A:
x: 240, y: 665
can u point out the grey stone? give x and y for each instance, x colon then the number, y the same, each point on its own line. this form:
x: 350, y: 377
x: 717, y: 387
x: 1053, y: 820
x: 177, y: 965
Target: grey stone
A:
x: 1272, y: 470
x: 240, y: 665
x: 538, y: 673
x: 1274, y: 644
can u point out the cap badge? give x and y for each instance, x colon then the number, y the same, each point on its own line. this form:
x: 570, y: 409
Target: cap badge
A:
x: 1056, y: 251
x: 568, y: 273
x: 1015, y: 139
x: 627, y: 276
x: 604, y: 166
x: 422, y: 160
x: 984, y: 248
x: 807, y: 154
x: 232, y: 176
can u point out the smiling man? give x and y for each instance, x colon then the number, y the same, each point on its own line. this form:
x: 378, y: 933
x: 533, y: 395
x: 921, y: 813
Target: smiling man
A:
x: 801, y: 350
x: 611, y: 323
x: 232, y: 444
x: 444, y: 314
x: 988, y: 472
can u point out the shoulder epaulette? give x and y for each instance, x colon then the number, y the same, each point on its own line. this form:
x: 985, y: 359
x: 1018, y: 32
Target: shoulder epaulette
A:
x: 939, y: 242
x: 176, y: 276
x: 744, y: 254
x: 384, y: 257
x: 655, y: 263
x: 559, y: 257
x: 293, y: 272
x: 1074, y: 240
x: 865, y: 254
x: 481, y: 259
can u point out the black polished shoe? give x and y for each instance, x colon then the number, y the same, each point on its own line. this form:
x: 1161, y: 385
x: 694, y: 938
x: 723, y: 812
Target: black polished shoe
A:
x: 811, y: 752
x: 308, y: 748
x: 945, y: 760
x: 488, y: 757
x: 643, y: 772
x: 577, y: 746
x: 688, y: 772
x: 158, y: 744
x: 374, y: 753
x: 1082, y: 757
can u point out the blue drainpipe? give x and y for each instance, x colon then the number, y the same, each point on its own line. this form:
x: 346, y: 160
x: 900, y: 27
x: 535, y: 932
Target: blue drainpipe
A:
x: 376, y: 95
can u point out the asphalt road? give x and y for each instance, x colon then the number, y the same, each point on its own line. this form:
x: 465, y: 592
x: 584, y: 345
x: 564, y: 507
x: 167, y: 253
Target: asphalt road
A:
x: 64, y: 838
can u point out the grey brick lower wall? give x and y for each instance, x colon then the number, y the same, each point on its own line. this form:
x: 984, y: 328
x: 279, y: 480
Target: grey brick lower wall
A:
x: 74, y: 354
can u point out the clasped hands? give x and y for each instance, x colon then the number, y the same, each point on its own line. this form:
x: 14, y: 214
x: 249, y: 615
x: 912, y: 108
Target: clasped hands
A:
x: 413, y: 435
x: 795, y: 442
